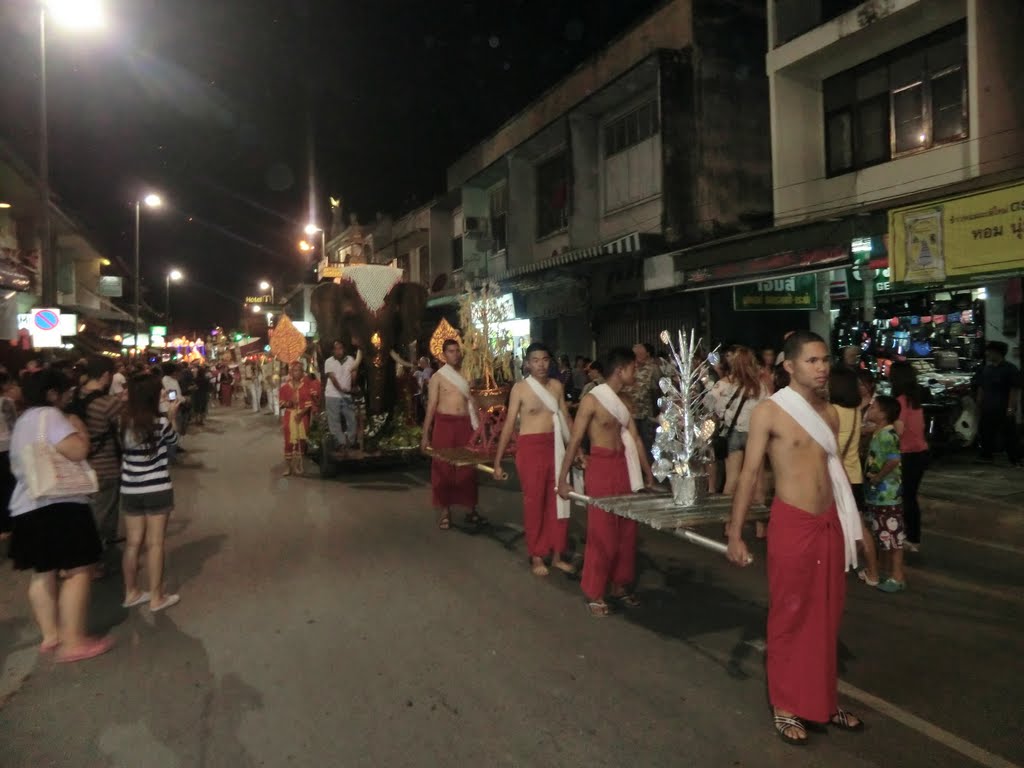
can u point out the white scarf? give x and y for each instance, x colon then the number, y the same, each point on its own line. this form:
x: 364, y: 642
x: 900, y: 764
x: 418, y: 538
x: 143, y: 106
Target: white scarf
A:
x: 561, y: 430
x: 607, y: 397
x: 814, y: 425
x: 462, y: 385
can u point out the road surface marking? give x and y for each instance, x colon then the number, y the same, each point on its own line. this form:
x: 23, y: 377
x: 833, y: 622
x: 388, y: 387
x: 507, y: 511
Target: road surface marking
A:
x: 915, y: 723
x: 979, y: 542
x: 1011, y: 594
x: 933, y: 732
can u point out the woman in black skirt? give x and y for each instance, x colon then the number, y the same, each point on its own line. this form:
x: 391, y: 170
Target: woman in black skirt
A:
x: 54, y: 533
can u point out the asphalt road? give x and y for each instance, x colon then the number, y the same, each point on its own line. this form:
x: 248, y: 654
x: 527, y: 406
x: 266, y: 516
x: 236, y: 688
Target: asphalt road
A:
x: 329, y: 623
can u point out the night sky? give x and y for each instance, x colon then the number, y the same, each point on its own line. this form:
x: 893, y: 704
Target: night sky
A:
x: 234, y: 110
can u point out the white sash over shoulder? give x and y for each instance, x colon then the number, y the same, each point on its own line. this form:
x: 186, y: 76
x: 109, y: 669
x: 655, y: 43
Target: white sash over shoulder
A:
x: 611, y: 402
x: 561, y: 429
x: 460, y: 383
x: 814, y: 425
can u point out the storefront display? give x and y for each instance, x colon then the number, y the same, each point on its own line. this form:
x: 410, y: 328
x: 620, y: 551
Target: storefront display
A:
x: 944, y: 328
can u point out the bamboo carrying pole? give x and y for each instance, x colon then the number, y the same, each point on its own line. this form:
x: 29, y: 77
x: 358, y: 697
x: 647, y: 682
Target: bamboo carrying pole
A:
x: 683, y: 533
x: 479, y: 466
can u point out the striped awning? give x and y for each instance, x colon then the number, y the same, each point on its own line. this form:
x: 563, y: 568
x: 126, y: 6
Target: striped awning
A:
x: 622, y: 245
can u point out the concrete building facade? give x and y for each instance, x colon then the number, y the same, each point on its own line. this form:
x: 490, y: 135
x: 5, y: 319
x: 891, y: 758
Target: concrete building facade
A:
x: 570, y: 203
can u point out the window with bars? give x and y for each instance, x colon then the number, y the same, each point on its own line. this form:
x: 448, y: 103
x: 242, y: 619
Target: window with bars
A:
x: 553, y: 195
x: 910, y: 99
x: 632, y: 157
x: 456, y: 253
x: 499, y: 216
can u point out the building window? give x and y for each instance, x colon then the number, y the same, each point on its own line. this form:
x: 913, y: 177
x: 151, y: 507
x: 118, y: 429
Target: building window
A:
x: 629, y: 130
x: 910, y: 99
x: 632, y: 157
x: 553, y: 195
x: 499, y: 217
x: 456, y: 253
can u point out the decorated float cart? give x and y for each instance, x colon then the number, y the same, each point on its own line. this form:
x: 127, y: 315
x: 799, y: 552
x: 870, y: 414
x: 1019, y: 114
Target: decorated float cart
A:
x: 371, y: 308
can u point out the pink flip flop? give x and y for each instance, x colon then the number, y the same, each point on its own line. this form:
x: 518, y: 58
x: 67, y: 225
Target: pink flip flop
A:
x: 92, y: 648
x: 49, y: 647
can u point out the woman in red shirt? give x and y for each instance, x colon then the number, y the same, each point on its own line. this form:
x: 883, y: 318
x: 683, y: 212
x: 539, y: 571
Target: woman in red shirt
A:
x: 913, y: 445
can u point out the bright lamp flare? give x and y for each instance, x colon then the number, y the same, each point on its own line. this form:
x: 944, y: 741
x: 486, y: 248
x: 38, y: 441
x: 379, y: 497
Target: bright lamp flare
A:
x: 305, y: 246
x: 77, y: 14
x: 175, y: 274
x: 153, y: 200
x: 256, y: 309
x: 311, y: 229
x: 264, y: 285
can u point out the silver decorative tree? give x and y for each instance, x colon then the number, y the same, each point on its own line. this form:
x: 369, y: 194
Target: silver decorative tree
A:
x: 686, y: 426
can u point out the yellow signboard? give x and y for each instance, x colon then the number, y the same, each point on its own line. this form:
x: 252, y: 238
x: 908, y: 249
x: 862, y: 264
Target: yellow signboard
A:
x: 960, y: 236
x: 331, y: 271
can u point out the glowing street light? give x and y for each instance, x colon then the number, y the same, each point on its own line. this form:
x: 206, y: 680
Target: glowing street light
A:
x: 312, y: 229
x: 150, y: 200
x: 77, y: 14
x: 256, y: 309
x: 175, y: 275
x: 305, y: 246
x: 266, y: 286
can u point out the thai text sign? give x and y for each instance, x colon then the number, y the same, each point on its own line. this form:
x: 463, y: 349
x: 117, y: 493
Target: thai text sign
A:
x: 959, y: 236
x: 795, y: 292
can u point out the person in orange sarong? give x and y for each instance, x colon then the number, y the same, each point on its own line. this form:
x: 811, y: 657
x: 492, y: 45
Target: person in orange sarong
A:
x: 297, y: 403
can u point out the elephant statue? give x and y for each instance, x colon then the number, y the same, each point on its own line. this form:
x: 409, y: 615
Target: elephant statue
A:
x: 370, y: 308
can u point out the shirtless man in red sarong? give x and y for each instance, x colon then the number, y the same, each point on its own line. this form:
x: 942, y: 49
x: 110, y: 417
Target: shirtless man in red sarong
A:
x: 450, y: 423
x: 808, y: 542
x: 617, y: 465
x: 538, y: 403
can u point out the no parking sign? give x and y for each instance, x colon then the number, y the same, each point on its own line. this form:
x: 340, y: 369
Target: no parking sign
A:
x: 44, y: 325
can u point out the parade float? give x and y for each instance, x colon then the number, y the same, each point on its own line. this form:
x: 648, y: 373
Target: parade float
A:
x: 370, y: 308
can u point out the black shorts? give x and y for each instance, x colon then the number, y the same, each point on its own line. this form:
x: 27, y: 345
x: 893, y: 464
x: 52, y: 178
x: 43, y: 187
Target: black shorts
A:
x: 55, y: 537
x: 156, y: 503
x: 858, y: 495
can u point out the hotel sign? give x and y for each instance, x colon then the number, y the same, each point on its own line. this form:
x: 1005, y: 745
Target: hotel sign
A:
x: 258, y: 299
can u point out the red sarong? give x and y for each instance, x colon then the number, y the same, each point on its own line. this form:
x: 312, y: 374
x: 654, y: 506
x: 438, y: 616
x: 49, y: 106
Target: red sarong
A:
x: 610, y: 554
x: 535, y: 462
x: 807, y: 589
x: 451, y: 485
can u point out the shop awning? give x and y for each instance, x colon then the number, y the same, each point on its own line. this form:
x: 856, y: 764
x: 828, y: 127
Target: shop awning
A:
x: 798, y: 248
x: 631, y: 243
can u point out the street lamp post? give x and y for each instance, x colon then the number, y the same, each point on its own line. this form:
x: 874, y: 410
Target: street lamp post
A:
x: 151, y: 201
x: 174, y: 275
x: 82, y: 14
x: 267, y: 286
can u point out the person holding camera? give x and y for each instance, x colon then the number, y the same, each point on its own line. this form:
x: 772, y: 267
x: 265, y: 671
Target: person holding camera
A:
x: 147, y: 496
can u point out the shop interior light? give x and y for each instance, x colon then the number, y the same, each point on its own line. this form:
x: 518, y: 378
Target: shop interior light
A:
x: 5, y: 205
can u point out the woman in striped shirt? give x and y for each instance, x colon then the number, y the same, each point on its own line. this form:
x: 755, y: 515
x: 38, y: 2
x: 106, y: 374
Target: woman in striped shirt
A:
x: 147, y: 497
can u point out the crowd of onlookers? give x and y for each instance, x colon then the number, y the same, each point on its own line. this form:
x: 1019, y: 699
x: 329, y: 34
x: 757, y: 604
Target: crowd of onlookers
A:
x: 110, y: 431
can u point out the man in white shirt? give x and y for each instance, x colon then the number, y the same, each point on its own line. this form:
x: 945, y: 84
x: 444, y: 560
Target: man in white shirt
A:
x: 339, y: 372
x: 172, y: 393
x: 118, y: 382
x: 253, y: 378
x: 271, y: 375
